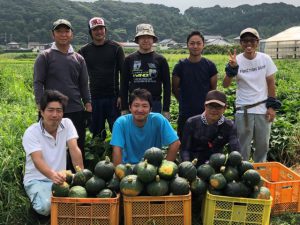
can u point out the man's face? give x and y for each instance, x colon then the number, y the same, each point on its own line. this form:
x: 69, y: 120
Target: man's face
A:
x: 249, y: 43
x: 145, y: 42
x: 62, y: 35
x: 214, y: 111
x: 195, y: 45
x: 140, y: 110
x: 99, y: 33
x: 53, y: 114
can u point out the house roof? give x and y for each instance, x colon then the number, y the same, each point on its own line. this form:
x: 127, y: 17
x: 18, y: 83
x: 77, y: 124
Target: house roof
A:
x: 291, y: 34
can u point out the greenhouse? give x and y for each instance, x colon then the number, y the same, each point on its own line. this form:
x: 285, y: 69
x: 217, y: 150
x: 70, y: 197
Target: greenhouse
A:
x: 285, y: 44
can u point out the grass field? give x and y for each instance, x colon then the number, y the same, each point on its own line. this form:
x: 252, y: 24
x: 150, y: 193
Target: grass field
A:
x: 18, y: 111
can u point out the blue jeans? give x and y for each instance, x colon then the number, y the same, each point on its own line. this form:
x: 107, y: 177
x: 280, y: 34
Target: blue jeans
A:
x: 39, y: 192
x: 257, y: 129
x: 104, y: 109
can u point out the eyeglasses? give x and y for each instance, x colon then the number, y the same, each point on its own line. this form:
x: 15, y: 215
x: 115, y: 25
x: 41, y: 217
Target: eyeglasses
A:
x: 214, y: 106
x: 251, y: 40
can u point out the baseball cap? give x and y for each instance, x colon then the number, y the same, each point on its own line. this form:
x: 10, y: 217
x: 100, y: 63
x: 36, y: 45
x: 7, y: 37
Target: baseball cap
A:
x: 61, y: 22
x: 251, y: 31
x: 144, y: 29
x: 95, y: 22
x: 215, y: 97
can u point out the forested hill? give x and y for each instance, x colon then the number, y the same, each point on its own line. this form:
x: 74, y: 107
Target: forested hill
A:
x: 31, y: 20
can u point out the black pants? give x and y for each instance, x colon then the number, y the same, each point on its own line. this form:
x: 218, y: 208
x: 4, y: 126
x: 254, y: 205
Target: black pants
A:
x: 79, y: 121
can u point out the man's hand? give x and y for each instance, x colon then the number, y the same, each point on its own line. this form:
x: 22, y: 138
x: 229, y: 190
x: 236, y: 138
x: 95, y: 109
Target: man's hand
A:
x: 232, y: 59
x: 119, y: 103
x: 88, y: 107
x: 58, y: 177
x: 166, y: 115
x: 124, y: 112
x: 271, y: 114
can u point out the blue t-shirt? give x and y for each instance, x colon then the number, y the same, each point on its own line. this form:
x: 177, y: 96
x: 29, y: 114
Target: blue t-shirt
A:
x: 194, y: 84
x: 134, y: 141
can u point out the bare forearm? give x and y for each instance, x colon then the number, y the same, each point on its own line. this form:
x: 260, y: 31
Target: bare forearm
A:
x: 117, y: 155
x: 76, y: 157
x: 173, y: 150
x: 227, y: 81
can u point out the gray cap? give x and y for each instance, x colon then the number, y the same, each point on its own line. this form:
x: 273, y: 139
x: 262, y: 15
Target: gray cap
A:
x: 144, y: 29
x: 250, y: 31
x: 61, y: 22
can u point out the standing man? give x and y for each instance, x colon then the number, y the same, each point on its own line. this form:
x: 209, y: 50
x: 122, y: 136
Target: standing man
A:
x: 134, y: 133
x: 209, y: 132
x: 147, y: 69
x: 255, y: 96
x: 104, y: 60
x: 60, y: 68
x: 193, y: 78
x: 45, y: 144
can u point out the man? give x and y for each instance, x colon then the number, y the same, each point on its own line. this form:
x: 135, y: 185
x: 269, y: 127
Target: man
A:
x: 45, y: 145
x: 192, y: 78
x: 134, y: 133
x: 104, y: 60
x: 60, y: 68
x: 255, y: 96
x: 147, y: 69
x: 208, y: 133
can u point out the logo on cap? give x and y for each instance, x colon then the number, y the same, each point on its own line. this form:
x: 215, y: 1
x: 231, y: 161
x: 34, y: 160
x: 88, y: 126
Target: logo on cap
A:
x: 95, y: 22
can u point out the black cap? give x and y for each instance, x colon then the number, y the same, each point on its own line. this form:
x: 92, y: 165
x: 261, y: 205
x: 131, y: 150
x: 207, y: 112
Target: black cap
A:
x: 215, y: 97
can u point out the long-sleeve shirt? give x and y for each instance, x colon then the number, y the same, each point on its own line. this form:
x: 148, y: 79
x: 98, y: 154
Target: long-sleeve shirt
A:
x: 104, y: 63
x: 66, y: 73
x: 149, y: 71
x: 200, y: 140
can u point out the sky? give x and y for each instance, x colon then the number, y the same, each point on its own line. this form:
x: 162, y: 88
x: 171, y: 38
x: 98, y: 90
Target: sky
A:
x: 185, y: 4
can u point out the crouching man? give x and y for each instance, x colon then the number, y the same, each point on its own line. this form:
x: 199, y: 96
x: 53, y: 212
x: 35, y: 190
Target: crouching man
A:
x: 45, y: 144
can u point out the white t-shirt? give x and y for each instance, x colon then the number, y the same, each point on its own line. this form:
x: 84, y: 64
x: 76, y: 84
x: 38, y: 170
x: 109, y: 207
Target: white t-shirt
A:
x: 251, y: 81
x: 36, y: 138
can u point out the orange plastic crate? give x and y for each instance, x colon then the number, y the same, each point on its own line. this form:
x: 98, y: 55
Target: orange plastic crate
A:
x: 85, y: 211
x: 160, y: 210
x: 284, y: 185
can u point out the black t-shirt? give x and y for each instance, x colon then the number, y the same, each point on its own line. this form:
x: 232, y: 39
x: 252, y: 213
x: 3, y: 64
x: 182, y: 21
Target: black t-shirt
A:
x: 104, y: 63
x: 149, y: 71
x: 194, y: 84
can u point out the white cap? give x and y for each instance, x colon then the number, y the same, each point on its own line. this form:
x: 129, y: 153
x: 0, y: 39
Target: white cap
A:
x: 251, y: 31
x: 95, y: 22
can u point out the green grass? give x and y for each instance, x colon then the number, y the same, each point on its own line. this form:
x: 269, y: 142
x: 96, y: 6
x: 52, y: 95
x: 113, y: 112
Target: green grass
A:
x: 18, y: 111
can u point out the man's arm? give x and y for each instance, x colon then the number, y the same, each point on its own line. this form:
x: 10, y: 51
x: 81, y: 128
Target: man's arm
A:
x: 233, y: 140
x: 84, y: 85
x: 227, y: 81
x: 124, y: 84
x: 39, y: 77
x: 41, y: 165
x: 213, y: 82
x: 117, y: 155
x: 75, y: 153
x: 172, y: 151
x: 119, y: 64
x: 166, y: 86
x: 271, y: 113
x: 176, y: 86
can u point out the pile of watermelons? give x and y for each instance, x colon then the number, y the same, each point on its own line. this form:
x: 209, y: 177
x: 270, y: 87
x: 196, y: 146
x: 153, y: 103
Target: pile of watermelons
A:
x: 224, y: 174
x: 229, y: 175
x: 100, y: 184
x: 154, y: 176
